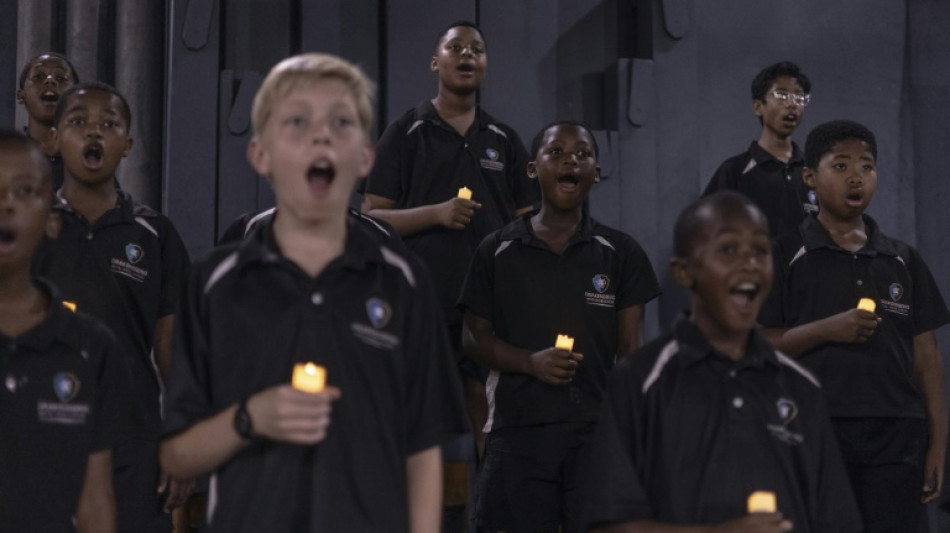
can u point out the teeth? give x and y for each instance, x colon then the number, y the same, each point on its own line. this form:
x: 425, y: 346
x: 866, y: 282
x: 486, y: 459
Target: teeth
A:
x: 322, y: 165
x: 747, y: 286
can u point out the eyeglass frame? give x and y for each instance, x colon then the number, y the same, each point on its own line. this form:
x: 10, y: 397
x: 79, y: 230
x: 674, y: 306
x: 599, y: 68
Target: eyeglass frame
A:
x: 783, y: 96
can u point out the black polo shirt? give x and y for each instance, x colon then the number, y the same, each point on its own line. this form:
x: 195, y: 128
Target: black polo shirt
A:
x: 775, y: 186
x: 245, y: 224
x: 371, y: 319
x: 126, y: 270
x: 60, y: 388
x: 421, y: 160
x: 686, y: 434
x: 815, y: 278
x: 531, y: 294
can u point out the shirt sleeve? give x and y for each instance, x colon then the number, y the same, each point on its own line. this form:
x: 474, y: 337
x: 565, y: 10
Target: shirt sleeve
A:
x: 638, y: 284
x: 724, y: 178
x: 391, y: 164
x: 478, y: 289
x: 930, y: 309
x: 187, y: 399
x: 612, y: 485
x: 772, y: 314
x: 436, y: 409
x: 175, y: 268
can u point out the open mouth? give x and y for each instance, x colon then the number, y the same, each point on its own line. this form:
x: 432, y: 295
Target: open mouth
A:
x: 7, y: 238
x: 568, y: 182
x: 49, y: 96
x: 92, y: 156
x: 320, y: 175
x: 854, y: 198
x: 791, y: 117
x: 744, y: 293
x: 466, y: 68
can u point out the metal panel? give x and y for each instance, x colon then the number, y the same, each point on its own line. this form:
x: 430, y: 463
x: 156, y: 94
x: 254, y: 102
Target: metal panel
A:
x: 191, y: 127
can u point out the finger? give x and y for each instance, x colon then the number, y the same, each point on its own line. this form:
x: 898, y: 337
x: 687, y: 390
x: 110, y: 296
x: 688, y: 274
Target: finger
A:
x: 162, y: 482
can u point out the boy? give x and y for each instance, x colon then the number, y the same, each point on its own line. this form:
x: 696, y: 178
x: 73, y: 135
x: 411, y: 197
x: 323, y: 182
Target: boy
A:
x: 60, y: 373
x: 312, y: 285
x: 123, y: 263
x: 556, y: 272
x: 881, y: 370
x: 770, y: 171
x: 426, y: 156
x: 42, y: 80
x: 699, y: 419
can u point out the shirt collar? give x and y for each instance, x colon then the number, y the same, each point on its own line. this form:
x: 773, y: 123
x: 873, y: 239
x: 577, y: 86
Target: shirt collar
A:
x: 762, y: 156
x: 694, y: 347
x: 520, y: 230
x: 53, y: 326
x: 426, y: 111
x: 125, y: 207
x: 815, y: 236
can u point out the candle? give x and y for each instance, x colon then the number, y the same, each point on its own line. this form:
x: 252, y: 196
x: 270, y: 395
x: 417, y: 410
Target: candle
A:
x: 564, y: 342
x: 465, y: 193
x: 309, y: 377
x: 867, y: 304
x: 69, y: 305
x: 762, y: 501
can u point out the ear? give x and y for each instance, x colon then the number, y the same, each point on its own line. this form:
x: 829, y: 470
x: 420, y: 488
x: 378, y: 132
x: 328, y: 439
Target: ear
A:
x: 128, y: 146
x: 757, y: 106
x: 808, y: 176
x: 679, y: 271
x: 19, y: 96
x: 367, y: 157
x: 258, y: 157
x: 532, y: 170
x: 54, y: 222
x: 434, y: 64
x: 597, y: 174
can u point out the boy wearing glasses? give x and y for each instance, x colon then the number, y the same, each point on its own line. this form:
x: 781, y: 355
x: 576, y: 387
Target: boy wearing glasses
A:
x: 770, y: 171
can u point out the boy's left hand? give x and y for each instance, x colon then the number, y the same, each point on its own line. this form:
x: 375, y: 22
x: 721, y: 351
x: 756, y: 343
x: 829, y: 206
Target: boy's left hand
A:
x: 933, y: 474
x: 178, y: 491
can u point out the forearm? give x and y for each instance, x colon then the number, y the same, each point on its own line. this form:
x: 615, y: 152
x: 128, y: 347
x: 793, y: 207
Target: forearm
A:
x: 96, y: 512
x: 407, y: 221
x: 162, y: 344
x: 424, y: 487
x: 482, y: 345
x: 629, y: 330
x: 799, y: 340
x: 203, y: 447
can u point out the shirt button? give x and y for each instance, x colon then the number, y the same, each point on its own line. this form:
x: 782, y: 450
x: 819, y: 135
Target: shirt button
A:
x: 89, y: 236
x: 10, y: 382
x: 732, y: 373
x: 737, y: 402
x: 860, y: 282
x: 316, y: 298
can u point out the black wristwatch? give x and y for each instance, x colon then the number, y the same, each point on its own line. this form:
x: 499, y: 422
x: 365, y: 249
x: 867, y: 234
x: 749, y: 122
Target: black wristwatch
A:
x: 242, y: 421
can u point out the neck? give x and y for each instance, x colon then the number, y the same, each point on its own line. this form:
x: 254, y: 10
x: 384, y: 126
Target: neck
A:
x: 451, y: 105
x: 850, y: 233
x: 779, y: 147
x: 42, y: 134
x: 731, y: 343
x: 90, y: 201
x: 557, y: 220
x: 312, y: 246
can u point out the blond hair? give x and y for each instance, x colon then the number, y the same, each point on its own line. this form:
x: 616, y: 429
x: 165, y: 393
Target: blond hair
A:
x: 307, y: 68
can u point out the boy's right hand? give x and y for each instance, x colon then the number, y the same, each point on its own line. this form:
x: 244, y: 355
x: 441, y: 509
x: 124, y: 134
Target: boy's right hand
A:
x: 286, y: 414
x: 755, y: 523
x: 554, y: 366
x: 853, y: 326
x: 455, y: 213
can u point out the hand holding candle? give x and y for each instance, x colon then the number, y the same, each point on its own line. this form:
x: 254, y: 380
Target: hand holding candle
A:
x: 465, y: 193
x: 761, y: 501
x: 309, y: 377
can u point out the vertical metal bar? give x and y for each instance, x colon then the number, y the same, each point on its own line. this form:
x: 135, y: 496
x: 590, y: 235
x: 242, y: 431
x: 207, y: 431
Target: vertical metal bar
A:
x: 33, y: 36
x: 82, y: 37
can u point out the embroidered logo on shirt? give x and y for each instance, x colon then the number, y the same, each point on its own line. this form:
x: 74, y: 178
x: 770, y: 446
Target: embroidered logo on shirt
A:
x: 896, y: 292
x: 812, y: 205
x: 490, y: 161
x: 134, y: 253
x: 65, y: 386
x: 787, y: 411
x: 379, y: 312
x: 600, y: 298
x: 127, y: 268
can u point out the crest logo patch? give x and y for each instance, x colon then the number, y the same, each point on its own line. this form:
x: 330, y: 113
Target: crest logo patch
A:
x: 896, y: 291
x: 787, y: 410
x: 134, y: 253
x: 492, y: 154
x: 601, y: 283
x: 378, y: 312
x: 66, y: 386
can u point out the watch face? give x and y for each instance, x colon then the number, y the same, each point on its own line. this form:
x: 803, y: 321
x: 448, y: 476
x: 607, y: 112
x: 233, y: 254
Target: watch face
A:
x: 242, y: 421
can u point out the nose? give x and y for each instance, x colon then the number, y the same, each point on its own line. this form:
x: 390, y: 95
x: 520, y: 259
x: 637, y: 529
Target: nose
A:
x: 320, y: 133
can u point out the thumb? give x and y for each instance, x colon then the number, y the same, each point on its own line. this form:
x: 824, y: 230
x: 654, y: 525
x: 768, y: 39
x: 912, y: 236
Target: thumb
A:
x: 162, y: 481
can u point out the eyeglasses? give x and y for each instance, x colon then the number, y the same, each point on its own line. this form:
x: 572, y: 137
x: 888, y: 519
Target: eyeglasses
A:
x: 784, y: 96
